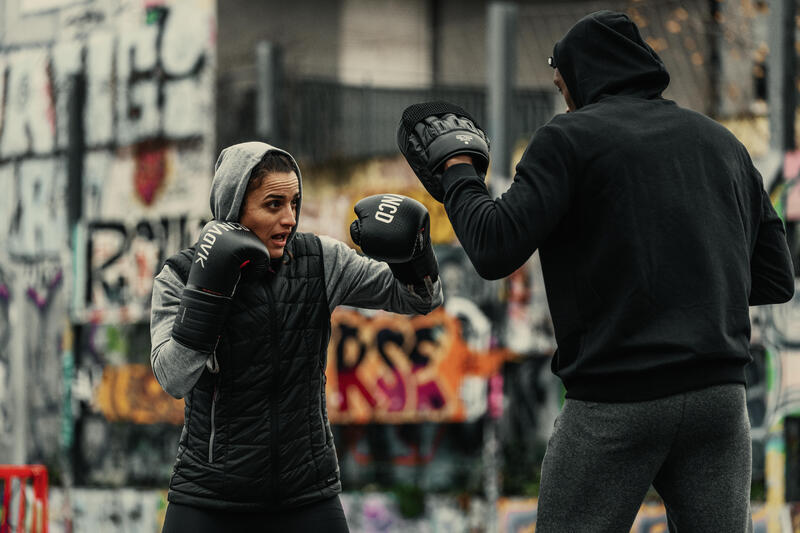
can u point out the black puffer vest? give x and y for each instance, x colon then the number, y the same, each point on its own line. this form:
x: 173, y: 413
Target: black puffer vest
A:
x: 256, y: 434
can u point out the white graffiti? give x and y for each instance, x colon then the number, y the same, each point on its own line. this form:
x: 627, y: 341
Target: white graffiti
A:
x: 5, y: 407
x: 784, y: 398
x: 184, y: 43
x: 476, y: 330
x: 149, y: 82
x: 8, y: 200
x: 106, y: 510
x: 39, y: 227
x: 98, y: 121
x: 785, y: 319
x: 123, y: 260
x: 29, y: 118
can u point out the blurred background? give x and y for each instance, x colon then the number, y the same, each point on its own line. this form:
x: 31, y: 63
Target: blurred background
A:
x: 112, y: 113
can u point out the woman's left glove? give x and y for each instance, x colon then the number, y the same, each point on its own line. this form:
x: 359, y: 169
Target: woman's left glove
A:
x: 223, y: 253
x: 396, y: 229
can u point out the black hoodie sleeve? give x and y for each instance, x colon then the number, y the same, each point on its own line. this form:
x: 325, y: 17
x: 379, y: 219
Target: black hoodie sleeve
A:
x: 771, y: 269
x: 500, y: 235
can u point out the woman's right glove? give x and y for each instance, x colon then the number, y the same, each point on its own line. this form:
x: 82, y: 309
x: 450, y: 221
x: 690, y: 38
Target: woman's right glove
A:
x: 223, y: 252
x: 396, y: 229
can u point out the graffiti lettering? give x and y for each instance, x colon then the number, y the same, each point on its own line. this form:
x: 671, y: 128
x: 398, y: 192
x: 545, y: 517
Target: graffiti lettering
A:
x: 138, y: 88
x: 391, y: 368
x: 124, y: 258
x: 38, y: 228
x: 29, y: 118
x: 131, y: 393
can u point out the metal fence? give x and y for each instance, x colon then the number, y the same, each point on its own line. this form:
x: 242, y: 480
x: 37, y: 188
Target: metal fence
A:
x: 325, y: 120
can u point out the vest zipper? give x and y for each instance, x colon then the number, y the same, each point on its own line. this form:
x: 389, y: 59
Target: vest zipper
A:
x: 213, y: 424
x: 322, y: 407
x: 274, y: 398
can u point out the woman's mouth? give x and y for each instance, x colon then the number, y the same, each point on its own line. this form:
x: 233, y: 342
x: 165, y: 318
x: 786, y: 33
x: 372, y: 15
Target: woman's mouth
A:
x: 279, y: 239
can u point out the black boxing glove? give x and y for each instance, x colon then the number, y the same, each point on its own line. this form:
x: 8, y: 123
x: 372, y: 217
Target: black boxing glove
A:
x: 224, y: 251
x: 396, y: 229
x: 431, y: 133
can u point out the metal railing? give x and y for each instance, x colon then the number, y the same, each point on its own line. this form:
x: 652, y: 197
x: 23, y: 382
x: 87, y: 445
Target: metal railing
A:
x: 322, y: 120
x: 326, y: 120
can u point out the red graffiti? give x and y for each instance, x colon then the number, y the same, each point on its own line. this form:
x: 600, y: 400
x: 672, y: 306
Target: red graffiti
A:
x: 151, y: 170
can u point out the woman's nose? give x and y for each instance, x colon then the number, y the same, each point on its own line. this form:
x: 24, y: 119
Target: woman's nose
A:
x: 289, y: 217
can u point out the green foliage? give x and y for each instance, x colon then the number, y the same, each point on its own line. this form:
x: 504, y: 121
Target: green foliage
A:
x: 410, y: 500
x: 522, y: 468
x: 758, y: 491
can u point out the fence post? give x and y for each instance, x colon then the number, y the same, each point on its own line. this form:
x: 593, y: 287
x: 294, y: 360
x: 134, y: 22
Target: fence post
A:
x: 500, y: 71
x: 268, y: 84
x: 781, y: 89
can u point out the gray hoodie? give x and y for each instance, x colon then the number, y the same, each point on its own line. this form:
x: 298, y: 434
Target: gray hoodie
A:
x: 350, y: 279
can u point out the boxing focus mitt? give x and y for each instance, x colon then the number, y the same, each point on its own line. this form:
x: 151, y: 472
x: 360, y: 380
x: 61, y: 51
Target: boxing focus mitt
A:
x: 430, y: 133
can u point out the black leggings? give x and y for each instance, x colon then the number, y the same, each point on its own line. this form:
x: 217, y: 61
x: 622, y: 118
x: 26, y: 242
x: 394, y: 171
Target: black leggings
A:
x: 326, y: 516
x: 693, y: 447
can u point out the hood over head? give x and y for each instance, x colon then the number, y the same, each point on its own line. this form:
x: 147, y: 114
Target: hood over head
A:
x: 232, y: 174
x: 604, y: 54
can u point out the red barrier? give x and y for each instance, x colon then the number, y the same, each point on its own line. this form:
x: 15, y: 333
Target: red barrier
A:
x: 22, y: 473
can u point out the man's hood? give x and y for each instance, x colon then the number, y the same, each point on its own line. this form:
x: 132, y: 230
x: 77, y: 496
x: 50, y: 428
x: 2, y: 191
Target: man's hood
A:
x: 604, y: 54
x: 232, y: 174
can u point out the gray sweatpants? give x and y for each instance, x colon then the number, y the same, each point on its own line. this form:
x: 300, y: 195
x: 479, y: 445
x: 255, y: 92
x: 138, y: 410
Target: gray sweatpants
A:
x: 694, y: 448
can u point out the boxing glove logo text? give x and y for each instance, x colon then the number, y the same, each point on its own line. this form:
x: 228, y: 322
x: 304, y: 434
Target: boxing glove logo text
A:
x: 210, y: 237
x: 388, y: 206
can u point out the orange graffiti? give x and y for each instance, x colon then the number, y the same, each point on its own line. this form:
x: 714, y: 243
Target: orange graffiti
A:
x: 131, y: 393
x: 382, y: 368
x: 398, y: 369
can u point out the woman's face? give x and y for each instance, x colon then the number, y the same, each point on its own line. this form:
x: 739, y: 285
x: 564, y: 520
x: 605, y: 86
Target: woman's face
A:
x: 270, y: 210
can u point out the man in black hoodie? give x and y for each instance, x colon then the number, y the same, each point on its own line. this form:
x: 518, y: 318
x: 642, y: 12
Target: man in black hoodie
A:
x: 655, y: 235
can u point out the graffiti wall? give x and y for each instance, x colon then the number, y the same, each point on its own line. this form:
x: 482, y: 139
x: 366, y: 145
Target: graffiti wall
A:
x: 394, y: 369
x: 122, y: 510
x: 142, y: 511
x: 121, y: 258
x: 128, y: 430
x: 33, y: 322
x: 6, y: 396
x: 106, y: 157
x: 430, y: 457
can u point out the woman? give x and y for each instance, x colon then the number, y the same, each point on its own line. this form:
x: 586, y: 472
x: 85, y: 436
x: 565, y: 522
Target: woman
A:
x: 240, y: 325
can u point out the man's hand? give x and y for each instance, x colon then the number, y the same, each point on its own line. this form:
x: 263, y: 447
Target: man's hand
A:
x: 458, y: 160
